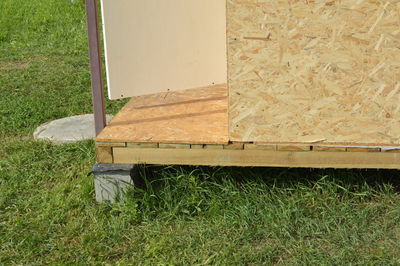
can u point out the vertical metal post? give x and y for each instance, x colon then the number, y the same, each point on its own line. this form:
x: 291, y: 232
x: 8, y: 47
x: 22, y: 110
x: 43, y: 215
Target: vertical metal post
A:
x: 95, y: 65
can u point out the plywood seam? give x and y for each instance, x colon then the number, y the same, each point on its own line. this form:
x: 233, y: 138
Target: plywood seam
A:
x: 242, y: 146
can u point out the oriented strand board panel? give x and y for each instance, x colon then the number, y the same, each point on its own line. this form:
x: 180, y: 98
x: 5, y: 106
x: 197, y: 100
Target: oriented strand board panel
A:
x: 314, y: 71
x: 195, y: 116
x: 158, y: 45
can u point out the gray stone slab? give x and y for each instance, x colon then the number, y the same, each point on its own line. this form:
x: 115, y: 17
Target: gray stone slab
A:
x: 68, y: 130
x: 112, y: 181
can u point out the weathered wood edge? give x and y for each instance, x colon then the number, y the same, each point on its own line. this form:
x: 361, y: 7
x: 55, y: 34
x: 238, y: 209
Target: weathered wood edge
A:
x: 226, y: 157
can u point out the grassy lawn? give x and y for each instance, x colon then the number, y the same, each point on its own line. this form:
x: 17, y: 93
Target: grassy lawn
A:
x: 186, y: 215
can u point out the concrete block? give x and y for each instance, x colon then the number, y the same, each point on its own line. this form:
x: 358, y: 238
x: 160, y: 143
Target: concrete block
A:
x: 112, y: 181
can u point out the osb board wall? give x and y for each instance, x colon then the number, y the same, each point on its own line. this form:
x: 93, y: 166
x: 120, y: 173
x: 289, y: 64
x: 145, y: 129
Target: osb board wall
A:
x: 314, y: 71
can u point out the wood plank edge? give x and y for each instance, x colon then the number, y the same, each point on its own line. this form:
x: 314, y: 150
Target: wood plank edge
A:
x: 110, y: 144
x: 221, y: 157
x: 105, y: 154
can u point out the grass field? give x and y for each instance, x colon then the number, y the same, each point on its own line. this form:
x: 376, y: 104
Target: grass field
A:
x: 186, y: 215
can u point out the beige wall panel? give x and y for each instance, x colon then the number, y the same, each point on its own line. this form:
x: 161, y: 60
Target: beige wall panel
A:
x: 314, y: 71
x: 159, y: 45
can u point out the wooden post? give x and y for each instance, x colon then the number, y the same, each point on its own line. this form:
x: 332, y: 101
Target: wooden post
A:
x: 95, y: 66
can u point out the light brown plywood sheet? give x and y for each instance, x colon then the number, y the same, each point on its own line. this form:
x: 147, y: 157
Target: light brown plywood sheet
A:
x: 158, y: 45
x: 195, y: 116
x: 314, y: 71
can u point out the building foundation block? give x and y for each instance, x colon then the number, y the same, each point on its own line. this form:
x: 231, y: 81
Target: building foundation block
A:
x: 112, y: 181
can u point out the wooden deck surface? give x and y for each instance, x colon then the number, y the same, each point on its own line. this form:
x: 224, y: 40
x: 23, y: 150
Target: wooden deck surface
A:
x: 195, y: 116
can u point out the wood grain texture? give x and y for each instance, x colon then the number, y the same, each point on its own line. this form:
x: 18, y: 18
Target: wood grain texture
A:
x: 391, y: 150
x: 314, y: 71
x: 213, y: 147
x: 223, y: 157
x: 173, y: 146
x: 142, y: 145
x: 255, y: 146
x: 363, y: 149
x: 328, y: 148
x: 111, y: 144
x: 234, y: 146
x: 104, y: 154
x: 285, y: 147
x: 196, y: 146
x: 195, y: 116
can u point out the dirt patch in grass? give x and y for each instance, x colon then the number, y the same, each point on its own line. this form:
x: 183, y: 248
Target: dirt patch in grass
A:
x: 14, y: 65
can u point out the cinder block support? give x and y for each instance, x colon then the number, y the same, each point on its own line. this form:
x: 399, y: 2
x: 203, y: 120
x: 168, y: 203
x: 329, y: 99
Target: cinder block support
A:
x: 111, y: 181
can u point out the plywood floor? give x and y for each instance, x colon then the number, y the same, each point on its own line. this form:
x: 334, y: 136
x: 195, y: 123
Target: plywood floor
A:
x: 191, y: 128
x: 195, y: 116
x: 314, y: 71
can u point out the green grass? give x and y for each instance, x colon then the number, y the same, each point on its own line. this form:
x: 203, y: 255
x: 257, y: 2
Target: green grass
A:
x: 185, y: 215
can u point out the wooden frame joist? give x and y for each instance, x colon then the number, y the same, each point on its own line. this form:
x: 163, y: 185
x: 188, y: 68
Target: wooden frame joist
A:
x: 249, y: 154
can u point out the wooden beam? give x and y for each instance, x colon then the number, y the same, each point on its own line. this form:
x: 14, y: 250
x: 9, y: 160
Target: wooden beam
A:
x: 197, y: 146
x: 290, y: 147
x: 223, y: 157
x: 104, y: 154
x: 255, y: 146
x: 142, y: 145
x: 363, y: 149
x: 173, y: 146
x: 234, y: 146
x: 111, y: 144
x: 329, y: 148
x: 213, y: 147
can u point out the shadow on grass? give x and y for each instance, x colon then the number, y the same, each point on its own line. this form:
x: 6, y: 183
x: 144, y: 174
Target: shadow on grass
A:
x: 144, y: 176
